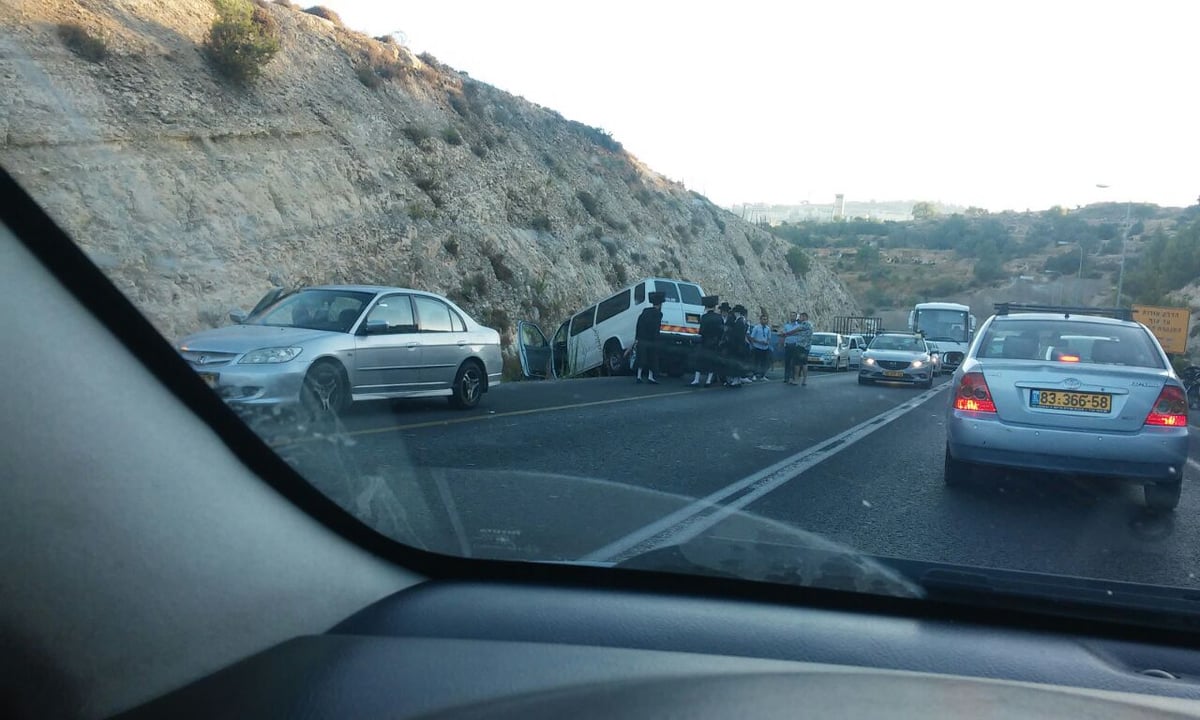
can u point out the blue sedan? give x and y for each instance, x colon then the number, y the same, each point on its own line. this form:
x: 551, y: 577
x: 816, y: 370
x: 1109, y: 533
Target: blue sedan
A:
x: 1075, y: 394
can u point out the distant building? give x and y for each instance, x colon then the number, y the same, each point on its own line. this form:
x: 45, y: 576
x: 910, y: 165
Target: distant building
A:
x: 839, y: 206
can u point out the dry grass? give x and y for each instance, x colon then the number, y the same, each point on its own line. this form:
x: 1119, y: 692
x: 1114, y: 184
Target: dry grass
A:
x: 323, y: 12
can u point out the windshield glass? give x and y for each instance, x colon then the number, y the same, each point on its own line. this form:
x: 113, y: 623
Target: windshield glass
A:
x: 949, y: 325
x: 446, y: 222
x: 316, y: 310
x: 1067, y: 341
x: 898, y: 342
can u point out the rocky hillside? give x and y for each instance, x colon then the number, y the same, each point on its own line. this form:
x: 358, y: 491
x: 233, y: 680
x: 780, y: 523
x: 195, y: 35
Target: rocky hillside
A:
x: 196, y: 194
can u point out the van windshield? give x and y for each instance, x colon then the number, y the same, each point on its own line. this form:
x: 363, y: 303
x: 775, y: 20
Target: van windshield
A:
x: 671, y: 291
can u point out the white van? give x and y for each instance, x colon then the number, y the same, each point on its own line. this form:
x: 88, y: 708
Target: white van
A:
x: 598, y: 336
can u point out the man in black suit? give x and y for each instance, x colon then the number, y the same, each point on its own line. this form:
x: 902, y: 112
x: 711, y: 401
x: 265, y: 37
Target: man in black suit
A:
x: 712, y: 331
x: 646, y: 337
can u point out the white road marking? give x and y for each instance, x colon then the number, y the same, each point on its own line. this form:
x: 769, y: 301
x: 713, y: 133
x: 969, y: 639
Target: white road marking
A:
x: 1195, y: 465
x: 693, y: 519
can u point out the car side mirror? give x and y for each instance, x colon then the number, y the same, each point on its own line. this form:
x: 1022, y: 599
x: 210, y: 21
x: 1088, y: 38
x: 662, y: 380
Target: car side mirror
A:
x: 374, y: 327
x: 238, y: 315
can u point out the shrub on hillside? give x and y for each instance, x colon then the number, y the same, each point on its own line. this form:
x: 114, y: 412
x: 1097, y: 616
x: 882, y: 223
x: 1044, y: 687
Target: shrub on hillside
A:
x: 416, y: 133
x: 589, y: 203
x: 798, y: 261
x: 323, y: 12
x: 242, y: 39
x: 367, y: 76
x: 451, y: 135
x: 83, y: 43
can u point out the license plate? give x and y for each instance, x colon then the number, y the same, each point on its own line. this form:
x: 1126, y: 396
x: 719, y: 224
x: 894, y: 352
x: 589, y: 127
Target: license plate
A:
x: 893, y: 373
x: 1073, y: 401
x: 693, y: 318
x: 210, y: 379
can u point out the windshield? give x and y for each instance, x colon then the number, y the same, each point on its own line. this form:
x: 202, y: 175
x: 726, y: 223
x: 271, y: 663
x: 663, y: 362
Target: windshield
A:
x: 316, y: 310
x: 477, y: 204
x: 951, y: 325
x: 1070, y: 342
x: 898, y: 342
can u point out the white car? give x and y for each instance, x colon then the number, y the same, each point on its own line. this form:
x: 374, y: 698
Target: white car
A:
x: 857, y: 346
x: 830, y: 351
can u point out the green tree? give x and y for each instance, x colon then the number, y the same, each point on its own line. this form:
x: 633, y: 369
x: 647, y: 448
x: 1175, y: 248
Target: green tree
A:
x: 924, y: 210
x: 868, y: 256
x: 798, y: 261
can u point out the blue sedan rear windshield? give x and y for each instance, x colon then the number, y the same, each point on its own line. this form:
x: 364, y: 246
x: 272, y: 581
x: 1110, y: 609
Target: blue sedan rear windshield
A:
x: 1070, y: 341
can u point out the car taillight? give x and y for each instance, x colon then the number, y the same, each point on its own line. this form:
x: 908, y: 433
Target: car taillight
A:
x: 1068, y: 358
x: 973, y: 394
x: 1170, y: 410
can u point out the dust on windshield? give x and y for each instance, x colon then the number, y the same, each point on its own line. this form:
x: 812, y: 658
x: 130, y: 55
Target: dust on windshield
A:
x: 564, y: 310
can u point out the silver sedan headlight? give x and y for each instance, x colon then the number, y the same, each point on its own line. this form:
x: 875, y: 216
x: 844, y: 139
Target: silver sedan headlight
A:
x: 270, y: 355
x: 868, y: 361
x: 917, y: 364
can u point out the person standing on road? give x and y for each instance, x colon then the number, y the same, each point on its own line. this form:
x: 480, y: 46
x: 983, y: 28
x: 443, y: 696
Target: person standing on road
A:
x: 791, y: 348
x: 760, y: 341
x: 725, y: 369
x: 646, y: 337
x: 712, y: 331
x: 803, y: 344
x: 737, y: 347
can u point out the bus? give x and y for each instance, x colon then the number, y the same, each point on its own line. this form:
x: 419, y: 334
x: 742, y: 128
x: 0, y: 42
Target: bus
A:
x: 597, y: 337
x: 948, y: 329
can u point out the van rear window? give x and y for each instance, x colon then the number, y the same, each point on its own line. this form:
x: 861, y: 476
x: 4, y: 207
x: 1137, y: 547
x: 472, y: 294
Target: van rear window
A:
x: 665, y: 286
x: 690, y: 294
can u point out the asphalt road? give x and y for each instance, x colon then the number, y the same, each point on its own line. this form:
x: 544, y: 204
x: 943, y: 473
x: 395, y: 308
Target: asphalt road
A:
x: 602, y: 469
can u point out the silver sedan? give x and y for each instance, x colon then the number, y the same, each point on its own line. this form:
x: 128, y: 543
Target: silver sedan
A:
x: 1066, y: 393
x: 897, y: 357
x: 326, y: 346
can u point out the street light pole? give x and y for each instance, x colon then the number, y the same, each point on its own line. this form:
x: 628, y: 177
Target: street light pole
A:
x: 1124, y: 239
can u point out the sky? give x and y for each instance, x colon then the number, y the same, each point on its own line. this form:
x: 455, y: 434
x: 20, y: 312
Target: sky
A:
x: 1003, y: 105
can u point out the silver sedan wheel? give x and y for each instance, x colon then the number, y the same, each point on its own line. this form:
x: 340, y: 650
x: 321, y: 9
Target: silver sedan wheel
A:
x: 468, y: 386
x: 325, y: 389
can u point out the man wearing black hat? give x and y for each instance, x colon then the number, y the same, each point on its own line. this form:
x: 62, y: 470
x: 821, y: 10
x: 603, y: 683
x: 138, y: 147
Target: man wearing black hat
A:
x: 646, y: 337
x: 735, y: 346
x: 712, y: 330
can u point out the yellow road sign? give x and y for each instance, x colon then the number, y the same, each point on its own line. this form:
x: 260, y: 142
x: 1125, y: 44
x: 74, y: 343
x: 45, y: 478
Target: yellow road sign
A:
x: 1169, y: 325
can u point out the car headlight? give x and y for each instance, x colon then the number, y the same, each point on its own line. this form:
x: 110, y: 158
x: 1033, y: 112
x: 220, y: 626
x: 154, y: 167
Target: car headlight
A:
x: 918, y: 364
x: 868, y: 361
x: 269, y: 355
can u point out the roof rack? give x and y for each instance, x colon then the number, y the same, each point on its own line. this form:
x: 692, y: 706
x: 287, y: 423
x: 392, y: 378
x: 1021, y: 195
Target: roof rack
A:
x: 1007, y: 308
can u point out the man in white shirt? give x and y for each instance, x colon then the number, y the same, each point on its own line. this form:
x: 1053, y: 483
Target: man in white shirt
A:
x: 760, y: 343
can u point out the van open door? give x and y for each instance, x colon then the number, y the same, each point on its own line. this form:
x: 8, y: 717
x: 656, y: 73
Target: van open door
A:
x: 535, y: 352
